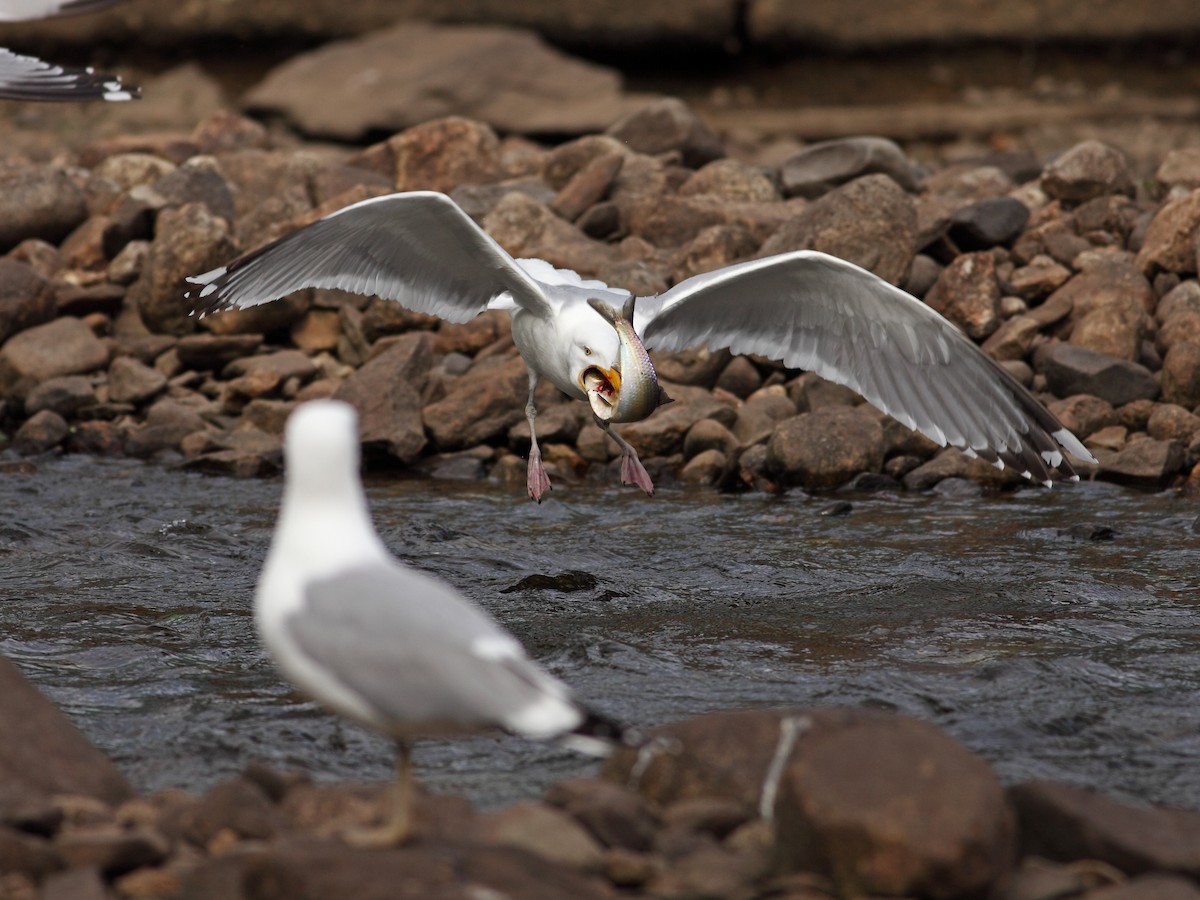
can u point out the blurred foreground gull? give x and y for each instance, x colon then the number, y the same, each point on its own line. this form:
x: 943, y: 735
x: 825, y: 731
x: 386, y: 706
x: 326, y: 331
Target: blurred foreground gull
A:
x: 809, y: 309
x: 381, y: 643
x: 29, y: 78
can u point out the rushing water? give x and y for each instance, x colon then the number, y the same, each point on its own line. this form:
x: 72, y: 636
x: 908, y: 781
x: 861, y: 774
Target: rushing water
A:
x: 125, y: 594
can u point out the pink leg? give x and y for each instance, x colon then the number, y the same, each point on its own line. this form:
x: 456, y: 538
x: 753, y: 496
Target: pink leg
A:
x: 536, y: 478
x: 632, y: 470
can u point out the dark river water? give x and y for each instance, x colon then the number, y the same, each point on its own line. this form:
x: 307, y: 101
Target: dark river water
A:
x: 125, y: 594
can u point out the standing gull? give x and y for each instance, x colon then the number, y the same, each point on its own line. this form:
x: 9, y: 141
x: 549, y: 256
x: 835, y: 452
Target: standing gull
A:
x: 29, y: 78
x: 809, y: 309
x: 383, y: 644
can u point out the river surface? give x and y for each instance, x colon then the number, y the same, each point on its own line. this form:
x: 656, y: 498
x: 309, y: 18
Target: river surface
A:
x: 125, y: 594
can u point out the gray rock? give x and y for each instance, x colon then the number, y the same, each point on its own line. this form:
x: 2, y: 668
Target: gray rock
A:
x: 38, y: 202
x: 825, y: 448
x: 199, y: 180
x: 1089, y: 169
x: 1077, y: 370
x: 870, y: 221
x: 42, y: 431
x: 820, y: 167
x: 988, y: 223
x: 665, y: 125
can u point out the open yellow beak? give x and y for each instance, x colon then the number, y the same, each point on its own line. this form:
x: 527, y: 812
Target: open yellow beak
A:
x: 603, y: 389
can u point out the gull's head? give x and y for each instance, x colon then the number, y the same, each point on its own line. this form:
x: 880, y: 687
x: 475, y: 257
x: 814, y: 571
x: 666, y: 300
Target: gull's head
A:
x: 321, y: 447
x: 594, y: 362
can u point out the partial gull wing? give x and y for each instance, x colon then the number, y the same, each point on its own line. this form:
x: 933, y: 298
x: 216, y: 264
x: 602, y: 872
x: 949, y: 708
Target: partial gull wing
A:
x: 29, y: 78
x: 423, y: 660
x: 419, y: 249
x: 817, y: 312
x: 23, y: 10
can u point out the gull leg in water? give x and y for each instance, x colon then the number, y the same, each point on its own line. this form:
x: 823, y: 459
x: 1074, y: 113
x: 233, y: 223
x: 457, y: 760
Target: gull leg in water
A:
x: 396, y: 827
x: 632, y: 470
x: 536, y: 478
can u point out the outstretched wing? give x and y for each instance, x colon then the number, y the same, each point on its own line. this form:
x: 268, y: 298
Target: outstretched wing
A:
x: 29, y: 78
x: 416, y: 248
x: 817, y: 312
x: 22, y: 10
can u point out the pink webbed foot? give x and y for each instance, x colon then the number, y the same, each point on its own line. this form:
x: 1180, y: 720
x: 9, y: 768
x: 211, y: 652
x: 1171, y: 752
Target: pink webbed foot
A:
x: 536, y: 477
x: 633, y: 472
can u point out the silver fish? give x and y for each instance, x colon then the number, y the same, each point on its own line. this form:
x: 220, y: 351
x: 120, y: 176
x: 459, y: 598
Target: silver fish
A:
x: 636, y: 392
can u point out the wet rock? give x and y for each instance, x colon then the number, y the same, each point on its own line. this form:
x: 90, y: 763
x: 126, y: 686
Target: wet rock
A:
x: 510, y: 79
x: 26, y: 298
x: 40, y: 432
x: 1170, y: 422
x: 888, y: 805
x: 132, y: 381
x: 709, y: 434
x: 98, y: 438
x: 44, y: 753
x: 444, y: 153
x: 214, y: 352
x: 65, y: 395
x: 822, y: 166
x: 1083, y: 414
x: 706, y: 467
x: 1061, y: 822
x: 188, y: 241
x: 387, y: 394
x: 64, y: 346
x: 1147, y: 462
x: 1170, y: 240
x: 968, y: 294
x: 1077, y: 370
x: 1089, y: 169
x: 953, y: 463
x: 870, y: 221
x: 825, y: 448
x: 1181, y: 375
x: 665, y: 125
x: 38, y: 202
x: 1088, y: 531
x: 543, y: 831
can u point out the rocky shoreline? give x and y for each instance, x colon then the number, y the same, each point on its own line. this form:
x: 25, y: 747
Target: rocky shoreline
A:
x: 1076, y: 276
x: 749, y: 804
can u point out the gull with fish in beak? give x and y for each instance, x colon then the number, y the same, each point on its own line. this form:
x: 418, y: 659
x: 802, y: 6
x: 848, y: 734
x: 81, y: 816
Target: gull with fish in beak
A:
x: 809, y: 309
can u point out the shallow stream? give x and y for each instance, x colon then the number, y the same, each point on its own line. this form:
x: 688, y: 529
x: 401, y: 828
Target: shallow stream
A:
x: 125, y: 594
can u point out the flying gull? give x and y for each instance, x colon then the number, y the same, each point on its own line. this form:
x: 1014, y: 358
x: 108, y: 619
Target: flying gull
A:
x: 381, y: 643
x: 29, y: 78
x: 809, y: 309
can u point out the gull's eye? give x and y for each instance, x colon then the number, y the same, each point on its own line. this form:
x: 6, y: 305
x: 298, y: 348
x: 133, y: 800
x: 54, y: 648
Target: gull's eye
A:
x: 587, y: 351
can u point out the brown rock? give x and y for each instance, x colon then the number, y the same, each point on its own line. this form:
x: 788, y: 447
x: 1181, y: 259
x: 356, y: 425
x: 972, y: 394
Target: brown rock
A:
x: 556, y: 424
x: 1149, y: 887
x: 1147, y: 462
x: 665, y: 125
x: 953, y: 463
x: 240, y: 806
x: 214, y: 352
x: 968, y: 295
x: 26, y: 298
x: 543, y: 831
x: 318, y: 329
x: 1169, y: 422
x: 699, y: 366
x: 39, y: 433
x: 731, y: 180
x: 111, y: 849
x: 1181, y: 375
x: 1040, y: 277
x: 27, y: 854
x: 662, y: 434
x: 825, y: 448
x: 96, y: 438
x: 1170, y: 240
x: 65, y: 395
x: 283, y: 364
x: 76, y: 884
x: 132, y: 381
x: 77, y: 300
x: 587, y: 187
x: 870, y: 221
x: 614, y: 815
x: 1083, y: 414
x: 444, y: 153
x: 706, y: 467
x: 38, y: 202
x: 188, y: 241
x: 225, y: 130
x: 525, y: 228
x: 888, y: 805
x: 387, y: 394
x: 740, y: 377
x: 44, y: 752
x: 1089, y: 169
x: 713, y: 248
x: 1012, y: 340
x: 64, y: 346
x: 822, y: 166
x: 278, y: 315
x: 709, y: 434
x: 1181, y: 326
x: 481, y: 405
x: 1061, y: 822
x: 564, y: 162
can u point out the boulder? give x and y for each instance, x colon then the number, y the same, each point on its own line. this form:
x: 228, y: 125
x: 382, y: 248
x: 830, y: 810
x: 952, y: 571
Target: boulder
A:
x: 668, y: 125
x: 822, y: 166
x: 869, y: 221
x: 65, y: 395
x: 132, y: 381
x: 1089, y: 169
x: 826, y: 447
x: 38, y: 202
x: 26, y: 298
x: 1077, y: 370
x: 1181, y: 375
x: 64, y: 346
x: 1170, y: 241
x: 43, y: 752
x: 386, y: 391
x: 42, y: 431
x: 968, y: 294
x: 1146, y: 462
x: 445, y: 153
